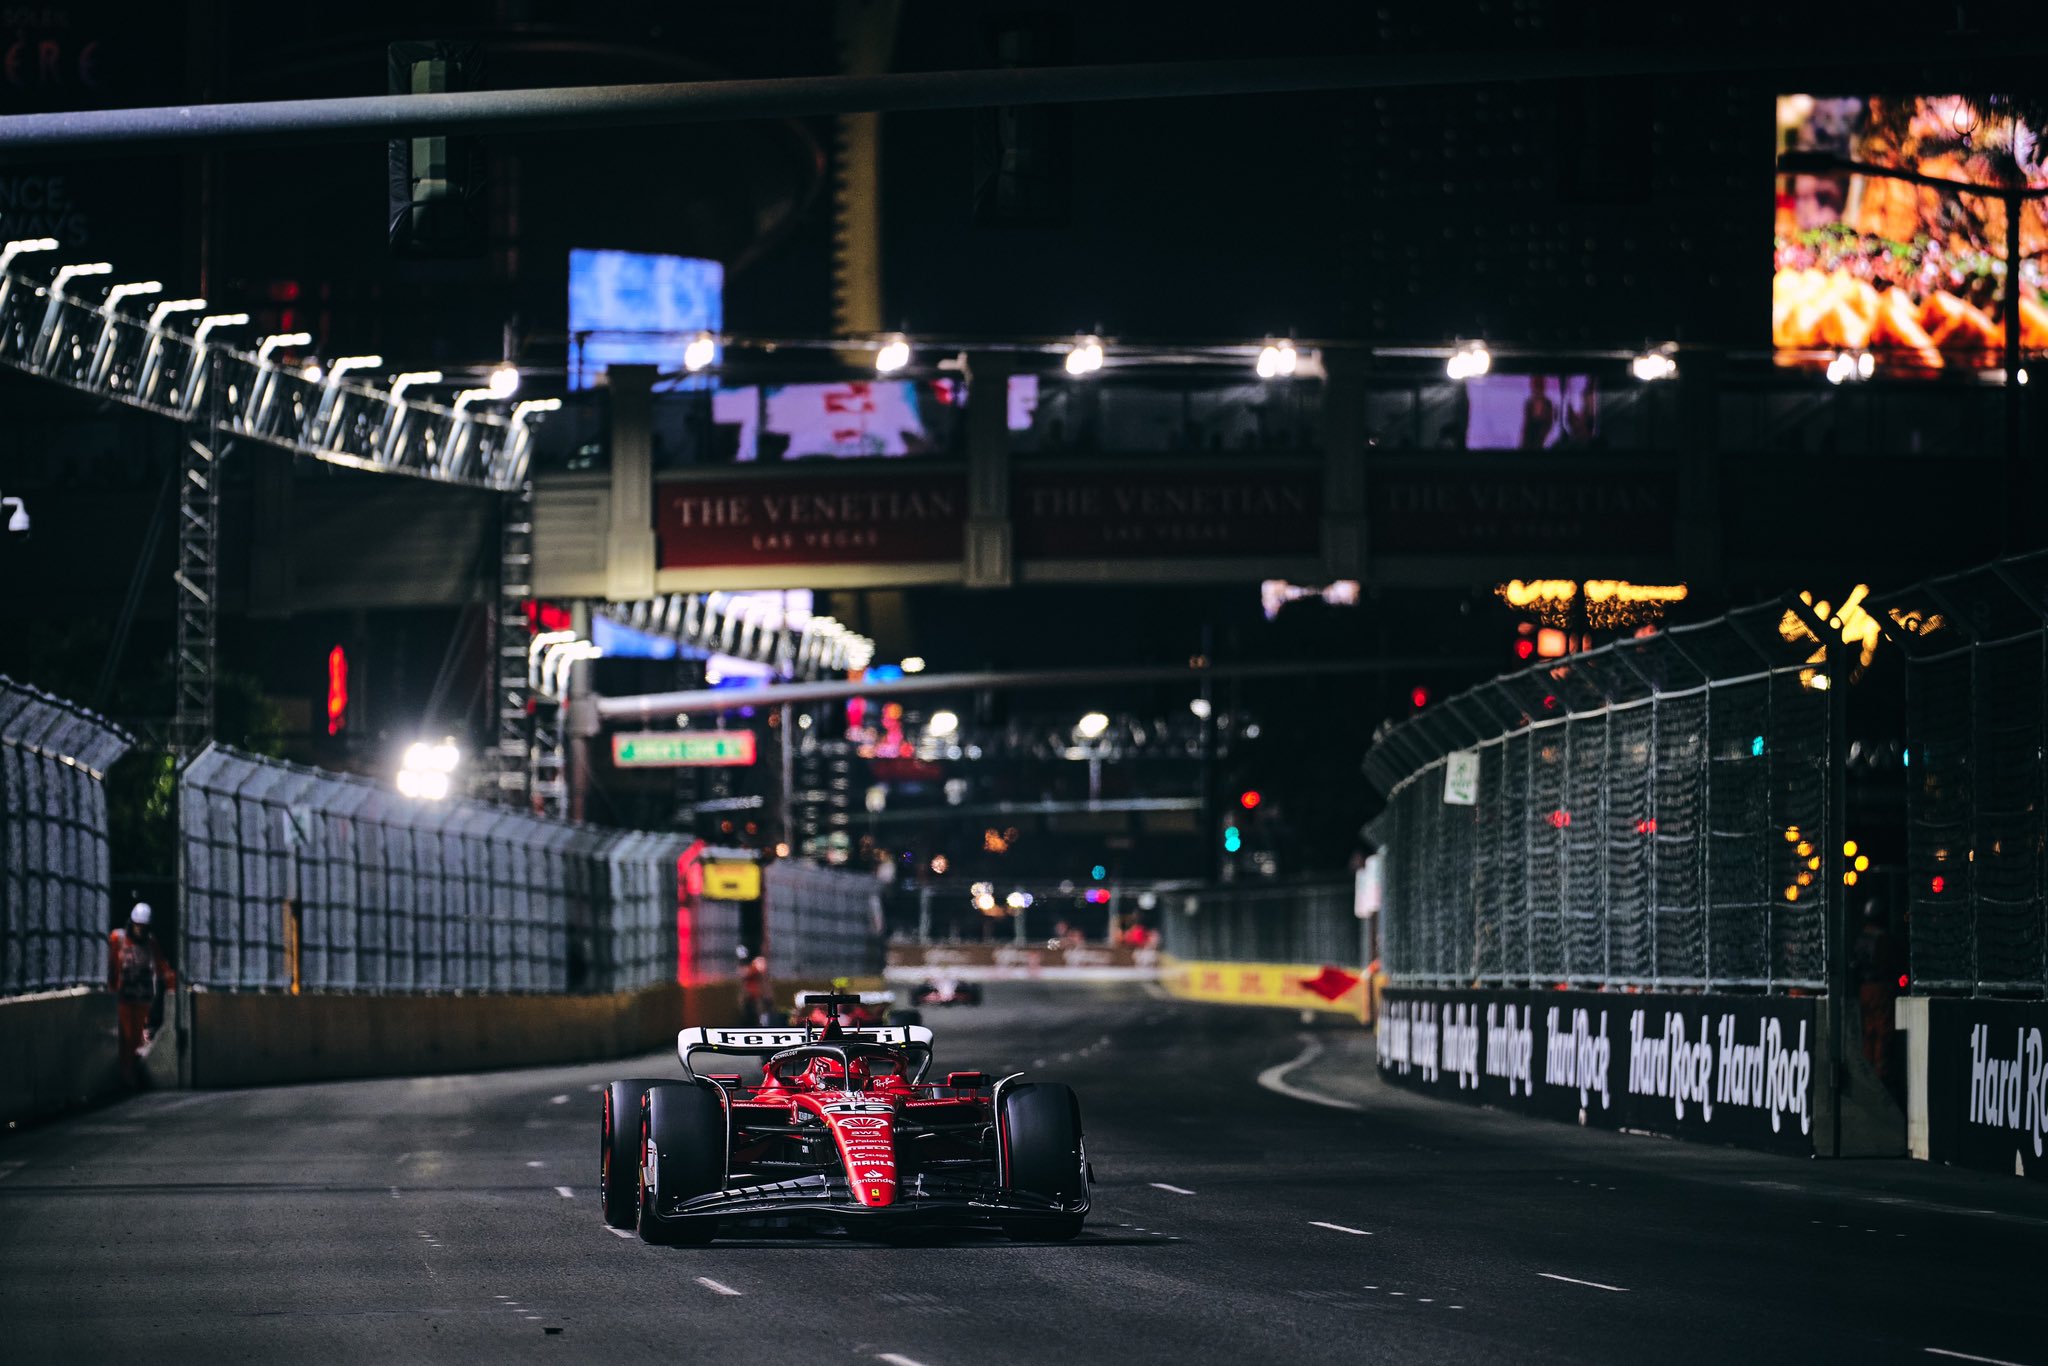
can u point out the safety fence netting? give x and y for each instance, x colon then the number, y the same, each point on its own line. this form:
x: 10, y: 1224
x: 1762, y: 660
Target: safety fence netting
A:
x: 1650, y: 814
x: 1976, y: 764
x: 822, y: 922
x: 54, y: 869
x: 1296, y: 922
x: 299, y: 879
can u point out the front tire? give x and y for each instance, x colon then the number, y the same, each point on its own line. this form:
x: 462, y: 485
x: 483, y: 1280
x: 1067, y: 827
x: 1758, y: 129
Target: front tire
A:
x: 618, y: 1181
x: 1041, y: 1136
x: 683, y: 1136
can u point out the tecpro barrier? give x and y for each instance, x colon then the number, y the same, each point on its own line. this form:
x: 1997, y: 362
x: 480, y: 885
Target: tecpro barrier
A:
x: 1321, y: 987
x: 1986, y: 1085
x: 1717, y: 1069
x: 1030, y: 962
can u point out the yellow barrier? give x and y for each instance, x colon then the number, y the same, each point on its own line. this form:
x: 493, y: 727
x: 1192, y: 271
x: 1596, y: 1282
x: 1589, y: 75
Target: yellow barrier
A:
x: 1270, y: 984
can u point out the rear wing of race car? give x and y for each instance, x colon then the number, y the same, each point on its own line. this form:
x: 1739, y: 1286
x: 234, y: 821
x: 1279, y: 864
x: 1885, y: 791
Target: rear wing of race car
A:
x: 763, y: 1043
x: 830, y: 999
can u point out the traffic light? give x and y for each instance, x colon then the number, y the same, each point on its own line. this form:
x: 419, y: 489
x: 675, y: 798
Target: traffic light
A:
x: 1098, y: 872
x: 1250, y: 800
x: 1232, y: 839
x: 1418, y: 696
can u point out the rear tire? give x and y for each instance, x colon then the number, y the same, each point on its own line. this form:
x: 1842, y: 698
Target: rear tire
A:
x: 1041, y: 1135
x: 618, y: 1181
x: 683, y: 1137
x: 906, y: 1017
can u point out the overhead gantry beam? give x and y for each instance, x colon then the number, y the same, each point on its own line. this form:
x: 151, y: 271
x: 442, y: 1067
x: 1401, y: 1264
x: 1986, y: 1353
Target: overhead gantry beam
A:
x: 125, y: 132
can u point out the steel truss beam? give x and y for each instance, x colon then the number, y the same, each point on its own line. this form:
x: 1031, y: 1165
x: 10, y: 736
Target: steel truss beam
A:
x: 91, y: 348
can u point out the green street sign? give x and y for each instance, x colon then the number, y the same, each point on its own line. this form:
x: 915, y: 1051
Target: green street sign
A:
x: 683, y: 749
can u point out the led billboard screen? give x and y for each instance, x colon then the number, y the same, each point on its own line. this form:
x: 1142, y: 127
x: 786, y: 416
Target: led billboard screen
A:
x: 1911, y: 274
x: 636, y: 308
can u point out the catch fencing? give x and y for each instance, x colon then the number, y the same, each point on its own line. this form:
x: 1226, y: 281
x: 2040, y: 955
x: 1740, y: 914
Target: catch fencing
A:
x: 1308, y: 922
x: 822, y: 922
x: 1976, y: 765
x: 1654, y: 814
x: 54, y: 866
x: 299, y: 879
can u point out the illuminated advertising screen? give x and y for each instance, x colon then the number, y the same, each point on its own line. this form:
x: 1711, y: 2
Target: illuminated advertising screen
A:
x: 850, y: 419
x: 1529, y: 412
x: 635, y: 308
x: 1910, y: 274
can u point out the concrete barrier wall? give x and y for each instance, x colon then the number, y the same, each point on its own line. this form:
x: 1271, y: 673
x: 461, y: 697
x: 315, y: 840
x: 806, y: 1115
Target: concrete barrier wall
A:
x: 246, y: 1039
x: 56, y: 1052
x: 1977, y: 1082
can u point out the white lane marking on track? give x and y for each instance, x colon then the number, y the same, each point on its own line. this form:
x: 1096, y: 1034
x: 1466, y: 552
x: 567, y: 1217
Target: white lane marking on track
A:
x: 394, y: 1192
x: 1274, y: 1079
x: 558, y: 1100
x: 1965, y: 1356
x: 1340, y: 1228
x: 565, y: 1192
x: 620, y: 1232
x: 536, y: 1164
x: 595, y: 1086
x: 8, y: 1169
x: 1573, y: 1280
x: 897, y: 1359
x: 1177, y: 1190
x: 716, y: 1287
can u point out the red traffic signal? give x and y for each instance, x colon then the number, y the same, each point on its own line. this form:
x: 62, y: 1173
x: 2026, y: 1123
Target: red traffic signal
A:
x: 1250, y: 799
x: 1419, y: 696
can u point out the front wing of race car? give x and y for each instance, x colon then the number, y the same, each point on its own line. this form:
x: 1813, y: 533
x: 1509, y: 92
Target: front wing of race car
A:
x: 922, y: 1203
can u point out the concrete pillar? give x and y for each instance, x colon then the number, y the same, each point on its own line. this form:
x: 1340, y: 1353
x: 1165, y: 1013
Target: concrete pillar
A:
x: 1909, y: 1013
x: 629, y: 543
x: 989, y: 540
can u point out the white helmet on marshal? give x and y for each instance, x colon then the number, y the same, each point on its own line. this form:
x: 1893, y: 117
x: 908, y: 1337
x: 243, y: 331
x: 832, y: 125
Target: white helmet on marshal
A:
x: 140, y: 915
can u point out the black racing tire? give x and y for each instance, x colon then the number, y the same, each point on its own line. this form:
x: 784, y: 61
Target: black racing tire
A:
x: 906, y: 1017
x: 1041, y: 1136
x: 618, y: 1179
x: 683, y: 1134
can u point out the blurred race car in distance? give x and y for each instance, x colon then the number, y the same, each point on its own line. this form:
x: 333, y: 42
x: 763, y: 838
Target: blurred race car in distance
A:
x: 946, y: 991
x: 843, y: 1128
x: 851, y: 1009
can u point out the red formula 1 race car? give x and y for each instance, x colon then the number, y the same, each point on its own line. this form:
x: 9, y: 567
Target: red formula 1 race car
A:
x: 946, y: 991
x: 842, y: 1128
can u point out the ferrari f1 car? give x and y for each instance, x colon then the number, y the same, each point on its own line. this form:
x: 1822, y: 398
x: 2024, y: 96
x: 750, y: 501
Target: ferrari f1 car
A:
x: 946, y: 991
x: 841, y: 1128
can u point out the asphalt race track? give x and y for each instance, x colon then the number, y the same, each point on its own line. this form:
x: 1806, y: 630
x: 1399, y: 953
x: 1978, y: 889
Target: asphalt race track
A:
x: 455, y: 1219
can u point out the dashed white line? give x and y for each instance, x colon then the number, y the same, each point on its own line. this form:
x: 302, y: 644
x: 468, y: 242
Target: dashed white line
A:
x: 565, y: 1192
x: 1965, y: 1356
x: 595, y: 1086
x: 1573, y: 1280
x: 620, y: 1232
x: 1177, y: 1190
x: 716, y: 1287
x: 897, y: 1359
x: 536, y: 1164
x: 558, y: 1100
x: 1341, y: 1228
x: 8, y: 1169
x: 1274, y: 1079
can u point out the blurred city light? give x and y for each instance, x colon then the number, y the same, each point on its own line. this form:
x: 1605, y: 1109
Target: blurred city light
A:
x: 428, y: 768
x: 943, y: 724
x: 1277, y: 360
x: 892, y: 355
x: 1092, y: 726
x: 700, y: 352
x: 913, y: 665
x: 1084, y: 357
x: 1470, y: 360
x: 504, y: 381
x: 1652, y: 366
